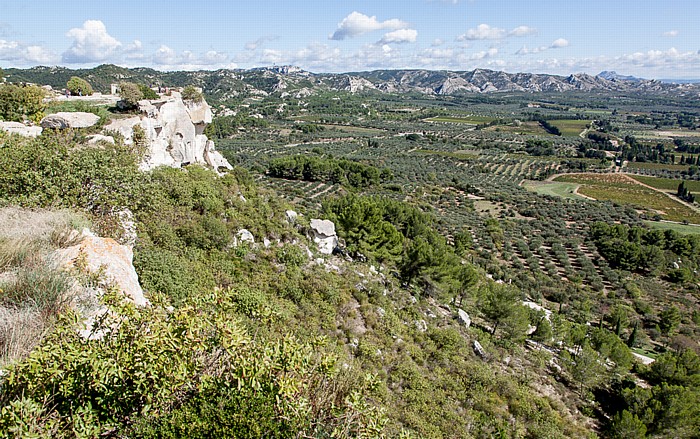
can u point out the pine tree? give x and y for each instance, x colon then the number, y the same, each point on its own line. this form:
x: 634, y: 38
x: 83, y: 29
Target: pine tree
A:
x: 633, y: 336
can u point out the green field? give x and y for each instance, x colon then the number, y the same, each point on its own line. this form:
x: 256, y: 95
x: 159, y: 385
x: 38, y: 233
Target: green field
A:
x: 553, y: 188
x: 622, y: 189
x: 570, y: 127
x: 470, y: 120
x: 667, y: 184
x: 680, y: 228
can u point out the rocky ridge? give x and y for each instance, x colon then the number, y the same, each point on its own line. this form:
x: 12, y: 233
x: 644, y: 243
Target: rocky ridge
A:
x: 289, y: 81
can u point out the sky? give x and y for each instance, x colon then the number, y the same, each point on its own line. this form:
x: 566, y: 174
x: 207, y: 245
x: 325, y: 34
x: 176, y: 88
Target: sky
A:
x: 646, y: 38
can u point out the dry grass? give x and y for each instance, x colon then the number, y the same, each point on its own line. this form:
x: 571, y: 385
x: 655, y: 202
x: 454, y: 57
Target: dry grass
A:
x: 21, y: 330
x: 36, y: 224
x: 32, y: 290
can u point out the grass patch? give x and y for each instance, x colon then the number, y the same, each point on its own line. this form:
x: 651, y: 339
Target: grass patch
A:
x: 621, y: 189
x: 38, y: 287
x: 686, y: 229
x: 570, y: 127
x: 667, y: 184
x: 553, y: 188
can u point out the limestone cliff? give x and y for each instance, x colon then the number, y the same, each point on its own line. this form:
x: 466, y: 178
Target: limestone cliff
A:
x: 174, y: 131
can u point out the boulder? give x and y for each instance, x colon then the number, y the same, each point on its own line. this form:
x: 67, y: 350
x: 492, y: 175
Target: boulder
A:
x: 324, y: 235
x: 479, y: 350
x: 64, y: 120
x: 421, y: 325
x: 21, y: 129
x: 244, y: 235
x: 464, y: 318
x: 106, y: 254
x: 291, y: 216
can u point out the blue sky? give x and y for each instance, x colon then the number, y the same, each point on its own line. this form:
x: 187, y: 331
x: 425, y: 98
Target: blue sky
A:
x: 647, y: 38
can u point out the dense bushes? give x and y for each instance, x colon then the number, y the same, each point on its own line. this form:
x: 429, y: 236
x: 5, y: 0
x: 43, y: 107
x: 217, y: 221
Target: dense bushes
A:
x: 639, y: 249
x: 190, y: 371
x: 79, y: 87
x: 328, y: 170
x: 18, y: 103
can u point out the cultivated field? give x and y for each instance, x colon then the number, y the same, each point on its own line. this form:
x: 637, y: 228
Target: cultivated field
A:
x: 622, y: 189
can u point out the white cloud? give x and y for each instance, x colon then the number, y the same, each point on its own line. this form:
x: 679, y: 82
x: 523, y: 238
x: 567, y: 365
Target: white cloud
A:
x: 357, y: 24
x: 559, y: 43
x: 91, y: 43
x: 483, y: 32
x: 23, y: 54
x: 271, y: 56
x: 400, y: 36
x: 486, y: 32
x: 527, y: 51
x: 556, y: 44
x: 670, y: 34
x: 483, y: 54
x: 522, y: 31
x: 167, y: 58
x: 437, y: 42
x: 254, y: 45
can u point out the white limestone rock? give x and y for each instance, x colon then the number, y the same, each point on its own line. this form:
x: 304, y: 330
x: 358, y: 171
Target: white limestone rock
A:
x: 479, y: 350
x: 291, y: 216
x: 21, y: 129
x: 97, y: 138
x: 174, y: 133
x: 243, y: 236
x: 115, y: 261
x: 464, y: 318
x: 65, y: 120
x: 324, y: 235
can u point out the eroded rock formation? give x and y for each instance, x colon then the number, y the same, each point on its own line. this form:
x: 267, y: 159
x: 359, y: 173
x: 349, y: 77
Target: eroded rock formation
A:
x: 174, y: 133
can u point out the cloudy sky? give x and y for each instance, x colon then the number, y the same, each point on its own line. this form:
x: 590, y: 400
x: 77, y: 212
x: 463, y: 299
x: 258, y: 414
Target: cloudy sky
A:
x: 647, y: 38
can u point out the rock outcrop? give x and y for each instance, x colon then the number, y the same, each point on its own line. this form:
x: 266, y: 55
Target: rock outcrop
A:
x: 174, y: 133
x: 324, y: 235
x: 114, y: 262
x: 65, y: 120
x: 464, y: 318
x: 106, y: 255
x: 21, y: 129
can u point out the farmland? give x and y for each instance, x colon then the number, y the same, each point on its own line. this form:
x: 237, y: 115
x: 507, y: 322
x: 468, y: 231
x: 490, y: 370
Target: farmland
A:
x: 571, y: 127
x: 553, y: 188
x: 622, y: 189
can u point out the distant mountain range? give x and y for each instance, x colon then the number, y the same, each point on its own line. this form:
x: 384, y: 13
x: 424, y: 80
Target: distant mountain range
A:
x: 290, y: 81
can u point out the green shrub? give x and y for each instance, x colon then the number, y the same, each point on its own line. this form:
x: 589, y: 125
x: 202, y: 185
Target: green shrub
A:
x: 20, y: 103
x: 79, y: 87
x: 130, y: 94
x: 291, y: 255
x: 148, y: 92
x: 191, y: 372
x: 190, y: 93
